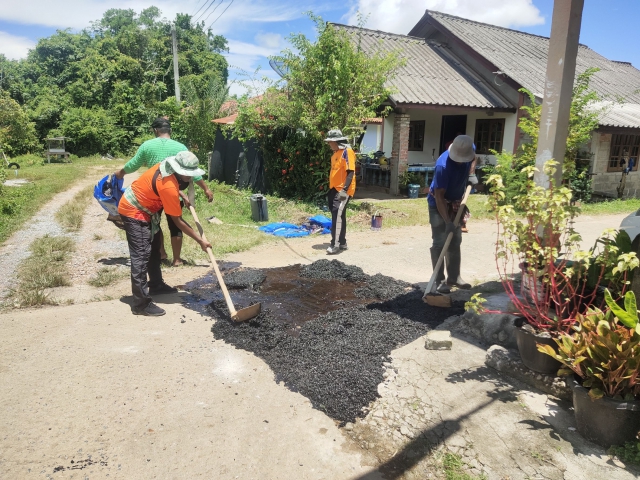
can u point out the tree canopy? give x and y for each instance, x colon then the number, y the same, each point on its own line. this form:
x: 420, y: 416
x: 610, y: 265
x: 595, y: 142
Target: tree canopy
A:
x: 102, y: 85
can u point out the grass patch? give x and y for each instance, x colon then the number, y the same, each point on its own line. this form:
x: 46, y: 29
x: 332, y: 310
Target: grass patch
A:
x: 18, y: 204
x: 627, y: 453
x: 106, y: 276
x: 611, y: 207
x: 454, y: 468
x: 47, y: 267
x: 71, y: 214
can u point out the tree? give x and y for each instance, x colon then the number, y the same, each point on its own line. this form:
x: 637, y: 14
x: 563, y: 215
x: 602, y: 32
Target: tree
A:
x: 329, y: 83
x: 17, y: 133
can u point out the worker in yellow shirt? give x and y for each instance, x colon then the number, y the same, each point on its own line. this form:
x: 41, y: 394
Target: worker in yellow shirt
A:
x: 342, y: 186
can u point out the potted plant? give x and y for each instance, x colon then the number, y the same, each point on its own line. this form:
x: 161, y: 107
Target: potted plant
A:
x: 411, y: 182
x: 536, y: 240
x: 603, y: 354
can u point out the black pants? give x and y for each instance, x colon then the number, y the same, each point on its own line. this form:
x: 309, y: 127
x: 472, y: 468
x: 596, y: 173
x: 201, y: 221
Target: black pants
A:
x: 174, y: 231
x: 338, y: 218
x: 145, y: 258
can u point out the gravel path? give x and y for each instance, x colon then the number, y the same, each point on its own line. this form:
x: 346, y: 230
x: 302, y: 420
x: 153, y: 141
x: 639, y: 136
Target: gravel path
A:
x: 43, y: 223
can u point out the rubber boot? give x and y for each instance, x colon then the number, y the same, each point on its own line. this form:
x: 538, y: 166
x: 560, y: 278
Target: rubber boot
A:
x: 442, y: 286
x: 453, y: 259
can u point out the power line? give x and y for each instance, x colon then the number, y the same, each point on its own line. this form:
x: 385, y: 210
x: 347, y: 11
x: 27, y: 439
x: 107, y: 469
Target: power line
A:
x: 230, y: 3
x: 203, y: 4
x: 205, y: 20
x: 206, y: 9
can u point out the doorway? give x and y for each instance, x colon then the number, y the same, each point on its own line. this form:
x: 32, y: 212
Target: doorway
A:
x: 452, y: 126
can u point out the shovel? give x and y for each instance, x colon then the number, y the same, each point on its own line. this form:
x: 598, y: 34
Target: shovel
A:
x: 237, y: 315
x: 433, y: 298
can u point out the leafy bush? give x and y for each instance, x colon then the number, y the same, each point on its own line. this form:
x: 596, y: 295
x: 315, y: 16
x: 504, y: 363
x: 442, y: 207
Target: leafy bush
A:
x: 604, y: 350
x: 17, y: 133
x: 91, y: 131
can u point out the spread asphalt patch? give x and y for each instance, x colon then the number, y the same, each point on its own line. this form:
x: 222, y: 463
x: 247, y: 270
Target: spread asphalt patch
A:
x: 336, y: 358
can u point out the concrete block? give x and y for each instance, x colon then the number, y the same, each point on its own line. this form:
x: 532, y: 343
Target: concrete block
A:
x: 438, y: 340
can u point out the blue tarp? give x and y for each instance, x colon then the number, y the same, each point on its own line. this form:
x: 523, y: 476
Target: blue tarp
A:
x: 317, y: 224
x: 108, y: 193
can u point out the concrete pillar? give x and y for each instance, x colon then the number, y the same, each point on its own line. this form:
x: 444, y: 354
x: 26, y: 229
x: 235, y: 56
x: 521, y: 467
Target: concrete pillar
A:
x: 561, y: 69
x: 399, y: 149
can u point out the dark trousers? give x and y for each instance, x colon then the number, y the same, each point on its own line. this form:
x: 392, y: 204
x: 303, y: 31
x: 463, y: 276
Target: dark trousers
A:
x: 145, y: 259
x: 439, y: 237
x: 174, y: 231
x: 338, y: 218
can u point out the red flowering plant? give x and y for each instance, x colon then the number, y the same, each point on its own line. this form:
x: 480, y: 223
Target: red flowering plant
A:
x: 536, y: 239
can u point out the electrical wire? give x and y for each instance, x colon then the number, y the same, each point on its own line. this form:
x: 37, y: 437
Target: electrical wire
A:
x: 206, y: 10
x: 203, y: 4
x: 205, y: 20
x: 230, y: 3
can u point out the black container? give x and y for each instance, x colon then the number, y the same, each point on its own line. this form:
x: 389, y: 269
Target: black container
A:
x: 605, y: 422
x: 531, y: 357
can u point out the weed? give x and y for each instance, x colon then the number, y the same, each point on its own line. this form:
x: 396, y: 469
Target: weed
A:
x: 97, y: 236
x: 71, y: 214
x: 45, y: 268
x: 107, y: 276
x: 454, y: 468
x: 628, y: 453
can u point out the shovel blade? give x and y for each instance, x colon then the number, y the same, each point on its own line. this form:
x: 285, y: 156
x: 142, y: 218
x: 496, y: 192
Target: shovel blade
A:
x: 246, y: 313
x: 436, y: 300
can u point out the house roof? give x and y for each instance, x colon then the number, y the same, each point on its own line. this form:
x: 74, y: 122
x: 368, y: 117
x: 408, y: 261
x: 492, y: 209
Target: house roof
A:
x: 433, y: 75
x: 523, y: 57
x: 620, y: 115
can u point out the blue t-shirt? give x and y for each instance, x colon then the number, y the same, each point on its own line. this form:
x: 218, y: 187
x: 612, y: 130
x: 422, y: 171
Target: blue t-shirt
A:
x: 450, y: 175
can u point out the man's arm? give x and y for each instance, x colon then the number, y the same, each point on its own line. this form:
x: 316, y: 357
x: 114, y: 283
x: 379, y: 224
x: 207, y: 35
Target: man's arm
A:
x: 201, y: 183
x: 186, y: 229
x: 132, y: 165
x: 441, y: 204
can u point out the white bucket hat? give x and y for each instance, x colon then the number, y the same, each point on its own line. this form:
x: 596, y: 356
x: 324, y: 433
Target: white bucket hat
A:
x: 462, y: 150
x: 185, y: 163
x: 336, y: 136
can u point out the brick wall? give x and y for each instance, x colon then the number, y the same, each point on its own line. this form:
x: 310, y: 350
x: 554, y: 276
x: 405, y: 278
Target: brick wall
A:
x: 607, y: 182
x: 399, y: 149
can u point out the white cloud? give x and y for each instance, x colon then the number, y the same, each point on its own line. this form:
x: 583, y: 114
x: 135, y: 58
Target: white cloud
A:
x: 14, y: 47
x: 270, y: 40
x: 399, y: 16
x: 77, y: 14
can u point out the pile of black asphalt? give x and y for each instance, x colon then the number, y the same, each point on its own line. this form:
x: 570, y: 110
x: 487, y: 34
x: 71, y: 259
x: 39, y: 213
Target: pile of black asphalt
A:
x: 336, y: 358
x: 244, y: 278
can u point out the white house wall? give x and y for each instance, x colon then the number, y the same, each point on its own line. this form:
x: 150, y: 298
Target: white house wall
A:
x: 372, y: 138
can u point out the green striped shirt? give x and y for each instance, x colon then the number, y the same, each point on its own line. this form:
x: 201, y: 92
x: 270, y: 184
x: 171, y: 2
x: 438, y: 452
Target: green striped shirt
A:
x: 153, y: 152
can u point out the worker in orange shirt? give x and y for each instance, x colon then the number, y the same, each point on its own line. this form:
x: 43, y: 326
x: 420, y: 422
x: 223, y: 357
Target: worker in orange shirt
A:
x: 140, y: 208
x: 342, y: 186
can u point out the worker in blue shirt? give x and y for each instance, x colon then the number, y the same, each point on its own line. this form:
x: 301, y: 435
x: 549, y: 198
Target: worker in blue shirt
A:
x: 452, y: 173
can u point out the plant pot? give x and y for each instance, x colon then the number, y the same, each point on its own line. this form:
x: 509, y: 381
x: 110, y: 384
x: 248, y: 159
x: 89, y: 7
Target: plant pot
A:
x: 605, y: 421
x: 413, y: 190
x: 531, y: 357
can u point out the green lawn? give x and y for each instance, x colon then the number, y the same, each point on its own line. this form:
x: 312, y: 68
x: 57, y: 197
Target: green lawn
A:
x: 18, y: 204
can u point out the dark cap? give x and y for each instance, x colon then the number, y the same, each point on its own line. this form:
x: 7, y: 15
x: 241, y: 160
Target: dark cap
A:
x: 161, y: 122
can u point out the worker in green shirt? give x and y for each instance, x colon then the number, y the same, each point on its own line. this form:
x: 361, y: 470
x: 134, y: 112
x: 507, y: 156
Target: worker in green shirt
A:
x: 153, y: 152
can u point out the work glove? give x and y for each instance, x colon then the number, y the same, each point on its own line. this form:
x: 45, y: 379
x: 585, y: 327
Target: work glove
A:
x: 342, y: 195
x: 473, y: 180
x: 450, y: 228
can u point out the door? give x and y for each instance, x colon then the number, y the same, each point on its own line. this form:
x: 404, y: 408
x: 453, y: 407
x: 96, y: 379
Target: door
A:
x: 452, y: 126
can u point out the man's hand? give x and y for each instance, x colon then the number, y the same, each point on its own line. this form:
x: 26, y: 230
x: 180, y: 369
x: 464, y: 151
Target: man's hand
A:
x: 209, y: 195
x: 120, y: 173
x: 204, y: 245
x: 342, y: 195
x: 450, y: 228
x: 185, y: 199
x: 473, y: 180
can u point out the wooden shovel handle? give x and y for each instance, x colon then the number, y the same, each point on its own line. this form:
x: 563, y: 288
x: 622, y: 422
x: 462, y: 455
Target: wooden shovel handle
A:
x: 223, y: 287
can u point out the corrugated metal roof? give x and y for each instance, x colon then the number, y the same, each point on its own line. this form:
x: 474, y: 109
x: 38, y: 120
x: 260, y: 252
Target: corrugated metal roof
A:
x: 523, y: 57
x: 433, y: 75
x: 626, y: 115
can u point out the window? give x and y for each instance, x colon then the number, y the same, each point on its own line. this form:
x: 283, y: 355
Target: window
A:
x: 489, y: 135
x: 623, y: 148
x: 416, y: 136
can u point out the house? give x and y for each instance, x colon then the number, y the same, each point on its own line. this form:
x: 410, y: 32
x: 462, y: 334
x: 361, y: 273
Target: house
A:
x: 463, y: 76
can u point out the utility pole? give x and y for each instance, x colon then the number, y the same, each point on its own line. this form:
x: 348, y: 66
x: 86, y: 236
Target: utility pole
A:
x: 561, y: 70
x: 176, y: 74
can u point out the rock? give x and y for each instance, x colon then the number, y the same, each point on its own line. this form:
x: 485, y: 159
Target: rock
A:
x: 509, y: 363
x: 348, y: 427
x: 378, y: 413
x: 404, y: 430
x: 438, y: 340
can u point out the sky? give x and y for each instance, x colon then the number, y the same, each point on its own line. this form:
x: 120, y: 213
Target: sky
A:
x: 256, y: 29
